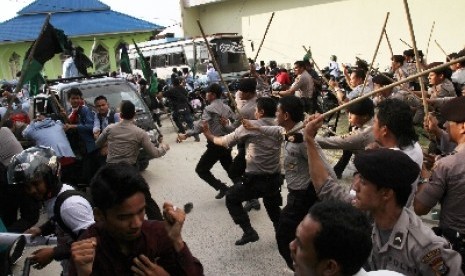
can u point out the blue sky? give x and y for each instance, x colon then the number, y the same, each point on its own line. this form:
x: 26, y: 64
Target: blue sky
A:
x: 162, y: 12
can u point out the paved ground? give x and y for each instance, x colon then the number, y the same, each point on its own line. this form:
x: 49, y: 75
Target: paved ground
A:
x: 209, y: 231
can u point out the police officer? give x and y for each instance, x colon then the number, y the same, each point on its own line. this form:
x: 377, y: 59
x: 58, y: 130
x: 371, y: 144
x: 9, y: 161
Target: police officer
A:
x: 301, y: 196
x: 262, y: 172
x: 361, y: 122
x: 382, y: 184
x: 447, y: 182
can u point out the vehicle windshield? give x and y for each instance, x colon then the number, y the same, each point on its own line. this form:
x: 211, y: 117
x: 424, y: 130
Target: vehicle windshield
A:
x: 115, y: 93
x: 231, y: 55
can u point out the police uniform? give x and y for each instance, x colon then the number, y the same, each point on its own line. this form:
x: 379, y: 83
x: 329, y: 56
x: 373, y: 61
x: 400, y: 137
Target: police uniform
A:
x: 447, y: 181
x: 413, y: 249
x: 304, y: 84
x: 359, y: 90
x: 409, y: 247
x: 262, y: 173
x: 355, y: 141
x: 301, y: 194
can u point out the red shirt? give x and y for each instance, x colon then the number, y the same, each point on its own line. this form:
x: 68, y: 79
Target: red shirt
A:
x: 153, y: 243
x: 283, y: 78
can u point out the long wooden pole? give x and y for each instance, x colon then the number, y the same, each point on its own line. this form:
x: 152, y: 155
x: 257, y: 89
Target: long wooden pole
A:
x: 444, y: 52
x: 417, y: 57
x: 263, y: 39
x: 19, y: 86
x: 392, y: 80
x: 408, y: 45
x: 215, y: 65
x: 388, y: 42
x: 392, y: 85
x: 316, y: 66
x: 376, y: 52
x: 429, y: 39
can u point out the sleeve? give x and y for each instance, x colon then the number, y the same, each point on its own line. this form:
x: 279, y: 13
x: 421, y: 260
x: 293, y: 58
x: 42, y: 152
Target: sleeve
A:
x: 86, y: 123
x: 150, y: 147
x: 331, y: 190
x: 445, y: 144
x: 27, y: 132
x: 439, y: 259
x: 275, y: 131
x: 77, y: 214
x: 354, y: 141
x: 97, y: 125
x: 435, y: 188
x: 102, y: 138
x: 234, y: 137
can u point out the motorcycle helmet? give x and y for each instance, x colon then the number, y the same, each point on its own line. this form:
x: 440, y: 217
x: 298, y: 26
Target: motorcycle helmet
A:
x: 33, y: 164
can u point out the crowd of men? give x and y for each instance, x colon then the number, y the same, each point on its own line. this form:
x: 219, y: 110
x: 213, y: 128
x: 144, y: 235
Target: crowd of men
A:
x: 323, y: 229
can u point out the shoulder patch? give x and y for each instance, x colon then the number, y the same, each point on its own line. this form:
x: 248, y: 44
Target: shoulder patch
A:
x: 436, y: 262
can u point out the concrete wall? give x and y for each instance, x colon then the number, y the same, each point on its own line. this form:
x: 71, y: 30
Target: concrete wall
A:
x: 53, y: 68
x: 345, y: 28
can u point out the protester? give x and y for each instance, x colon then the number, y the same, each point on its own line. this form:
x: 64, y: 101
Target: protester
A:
x: 121, y: 242
x: 37, y: 171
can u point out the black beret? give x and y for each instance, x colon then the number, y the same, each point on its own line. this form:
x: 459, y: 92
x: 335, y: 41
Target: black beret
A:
x: 382, y: 79
x: 387, y: 168
x: 363, y: 107
x: 454, y: 110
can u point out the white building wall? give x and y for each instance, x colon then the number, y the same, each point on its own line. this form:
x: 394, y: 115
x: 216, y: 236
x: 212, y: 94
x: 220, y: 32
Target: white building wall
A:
x: 345, y: 28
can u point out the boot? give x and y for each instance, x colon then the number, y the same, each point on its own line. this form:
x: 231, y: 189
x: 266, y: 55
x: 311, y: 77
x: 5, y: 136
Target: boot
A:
x: 223, y: 191
x: 252, y: 204
x: 249, y: 235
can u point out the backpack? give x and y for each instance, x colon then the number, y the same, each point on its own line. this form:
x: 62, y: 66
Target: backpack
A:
x: 56, y: 211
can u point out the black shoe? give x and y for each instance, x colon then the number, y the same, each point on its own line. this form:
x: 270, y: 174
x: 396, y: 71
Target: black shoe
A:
x: 222, y: 193
x: 252, y: 204
x: 249, y: 236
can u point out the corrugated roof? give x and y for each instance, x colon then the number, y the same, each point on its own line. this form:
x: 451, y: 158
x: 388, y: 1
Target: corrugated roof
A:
x: 52, y: 6
x: 98, y: 21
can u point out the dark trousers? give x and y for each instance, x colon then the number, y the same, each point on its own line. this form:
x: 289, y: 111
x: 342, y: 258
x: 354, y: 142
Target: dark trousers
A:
x: 212, y: 155
x: 237, y: 168
x: 266, y: 186
x: 298, y: 204
x: 342, y: 162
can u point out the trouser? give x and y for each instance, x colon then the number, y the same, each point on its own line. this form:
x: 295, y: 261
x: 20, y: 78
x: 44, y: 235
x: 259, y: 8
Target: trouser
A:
x: 342, y: 162
x: 456, y: 239
x: 212, y: 155
x: 298, y: 204
x: 237, y: 168
x: 308, y: 104
x: 266, y: 186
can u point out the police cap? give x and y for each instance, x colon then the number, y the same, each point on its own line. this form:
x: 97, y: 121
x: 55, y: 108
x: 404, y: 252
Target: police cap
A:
x: 454, y: 110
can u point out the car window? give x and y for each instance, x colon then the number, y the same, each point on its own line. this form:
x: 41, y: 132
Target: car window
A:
x: 114, y: 92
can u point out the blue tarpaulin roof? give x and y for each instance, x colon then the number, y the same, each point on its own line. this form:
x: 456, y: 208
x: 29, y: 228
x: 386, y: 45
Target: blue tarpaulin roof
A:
x: 75, y: 18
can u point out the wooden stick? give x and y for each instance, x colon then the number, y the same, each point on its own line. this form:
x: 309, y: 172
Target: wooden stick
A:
x: 263, y: 39
x: 408, y: 45
x: 437, y: 43
x: 417, y: 57
x: 19, y: 85
x: 376, y: 53
x: 316, y: 66
x: 392, y: 85
x: 217, y: 68
x: 388, y: 42
x: 429, y: 39
x: 392, y: 80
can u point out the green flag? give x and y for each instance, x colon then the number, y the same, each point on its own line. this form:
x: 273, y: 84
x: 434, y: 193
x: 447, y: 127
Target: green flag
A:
x: 51, y: 42
x: 145, y: 66
x: 124, y: 60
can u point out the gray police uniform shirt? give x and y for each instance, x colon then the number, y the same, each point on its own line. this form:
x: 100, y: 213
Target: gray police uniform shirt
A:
x: 304, y: 84
x: 412, y: 248
x: 355, y: 141
x: 246, y: 110
x: 262, y: 151
x: 358, y: 91
x: 447, y: 186
x: 296, y: 159
x: 213, y: 114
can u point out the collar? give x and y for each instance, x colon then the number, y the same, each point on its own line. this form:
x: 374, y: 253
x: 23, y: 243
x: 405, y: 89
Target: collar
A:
x: 399, y: 233
x: 460, y: 147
